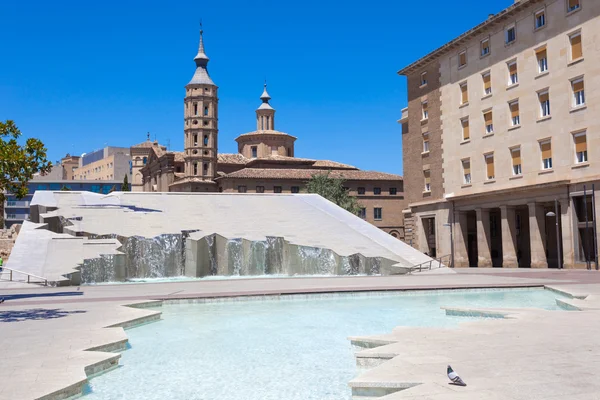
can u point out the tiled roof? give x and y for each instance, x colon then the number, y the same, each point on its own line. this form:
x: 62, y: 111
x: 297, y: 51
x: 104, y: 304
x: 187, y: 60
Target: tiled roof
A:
x: 285, y: 159
x: 231, y: 158
x: 148, y: 144
x: 332, y: 164
x: 265, y: 133
x: 305, y: 174
x: 179, y: 156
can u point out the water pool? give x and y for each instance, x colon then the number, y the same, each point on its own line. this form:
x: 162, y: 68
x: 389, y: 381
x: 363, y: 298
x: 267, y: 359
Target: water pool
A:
x: 276, y: 349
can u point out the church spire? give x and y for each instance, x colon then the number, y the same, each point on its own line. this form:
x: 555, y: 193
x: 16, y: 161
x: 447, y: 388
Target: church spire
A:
x: 265, y: 99
x: 265, y: 114
x: 201, y: 75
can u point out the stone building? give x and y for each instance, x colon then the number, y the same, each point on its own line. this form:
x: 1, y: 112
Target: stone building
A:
x: 499, y: 139
x: 265, y: 162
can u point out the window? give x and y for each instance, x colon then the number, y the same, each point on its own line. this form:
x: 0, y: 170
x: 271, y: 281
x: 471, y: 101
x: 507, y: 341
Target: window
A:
x: 578, y: 92
x: 487, y: 83
x: 424, y: 79
x: 206, y: 140
x: 241, y: 189
x: 377, y: 213
x: 206, y: 111
x: 254, y: 151
x: 361, y: 190
x: 511, y: 34
x: 546, y: 149
x: 205, y: 168
x: 466, y: 165
x: 295, y: 189
x: 573, y: 5
x: 377, y: 190
x: 544, y: 98
x: 542, y: 59
x: 513, y: 77
x: 425, y: 110
x: 260, y: 189
x: 581, y: 155
x: 465, y: 128
x: 195, y: 108
x: 516, y: 161
x: 195, y: 168
x: 515, y: 118
x: 464, y: 93
x: 489, y: 166
x: 540, y: 19
x: 195, y: 139
x: 277, y: 189
x: 362, y: 213
x: 576, y: 49
x: 145, y: 160
x: 393, y: 191
x: 489, y: 121
x: 427, y: 176
x: 425, y: 142
x: 462, y: 59
x: 485, y: 47
x: 274, y: 150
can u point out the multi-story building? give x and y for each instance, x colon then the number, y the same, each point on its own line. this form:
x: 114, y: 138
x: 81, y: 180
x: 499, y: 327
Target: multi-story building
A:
x: 109, y: 163
x: 69, y: 164
x: 17, y: 210
x: 499, y: 139
x: 265, y: 163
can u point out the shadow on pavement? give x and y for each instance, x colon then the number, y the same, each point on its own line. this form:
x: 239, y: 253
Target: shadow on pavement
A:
x: 35, y: 314
x: 8, y: 297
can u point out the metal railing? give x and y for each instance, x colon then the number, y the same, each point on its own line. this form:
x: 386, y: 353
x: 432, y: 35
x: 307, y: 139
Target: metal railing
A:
x: 12, y: 271
x: 431, y: 264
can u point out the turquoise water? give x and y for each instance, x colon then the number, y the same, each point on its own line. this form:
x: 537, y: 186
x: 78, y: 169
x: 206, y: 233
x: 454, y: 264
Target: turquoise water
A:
x: 276, y: 349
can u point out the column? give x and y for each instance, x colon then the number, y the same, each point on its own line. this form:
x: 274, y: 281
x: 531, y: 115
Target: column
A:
x: 484, y: 258
x: 537, y: 236
x: 566, y: 231
x: 509, y: 237
x: 461, y: 253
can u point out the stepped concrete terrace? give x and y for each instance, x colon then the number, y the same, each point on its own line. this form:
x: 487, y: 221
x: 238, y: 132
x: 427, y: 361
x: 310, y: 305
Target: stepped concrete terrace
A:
x: 83, y: 237
x: 53, y: 339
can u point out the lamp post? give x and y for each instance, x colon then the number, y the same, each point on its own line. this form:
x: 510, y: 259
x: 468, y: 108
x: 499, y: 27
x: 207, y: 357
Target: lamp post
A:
x: 451, y: 244
x: 555, y: 215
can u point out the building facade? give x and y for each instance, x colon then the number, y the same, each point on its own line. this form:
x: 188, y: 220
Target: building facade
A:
x: 109, y: 163
x: 504, y: 121
x: 265, y: 162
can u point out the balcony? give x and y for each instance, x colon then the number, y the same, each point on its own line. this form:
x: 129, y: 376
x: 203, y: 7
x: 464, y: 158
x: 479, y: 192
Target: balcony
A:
x: 16, y: 217
x: 17, y: 204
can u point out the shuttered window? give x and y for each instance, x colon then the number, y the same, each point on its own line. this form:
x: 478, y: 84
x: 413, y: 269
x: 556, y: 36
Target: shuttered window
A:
x: 516, y: 161
x: 576, y: 49
x: 580, y: 147
x: 466, y: 164
x: 425, y: 110
x: 487, y: 84
x: 542, y: 59
x: 465, y: 129
x: 485, y: 47
x: 514, y: 113
x: 578, y: 93
x: 573, y: 5
x: 462, y: 59
x: 489, y: 122
x: 513, y: 77
x: 464, y: 93
x: 489, y: 165
x: 427, y: 178
x: 546, y: 148
x: 544, y: 98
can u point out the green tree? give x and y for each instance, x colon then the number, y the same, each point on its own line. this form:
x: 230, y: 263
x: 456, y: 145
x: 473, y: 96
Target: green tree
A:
x: 125, y: 185
x: 333, y: 190
x: 18, y: 163
x: 65, y: 188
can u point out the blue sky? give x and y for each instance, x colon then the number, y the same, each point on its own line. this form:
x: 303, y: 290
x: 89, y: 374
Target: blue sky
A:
x: 81, y: 75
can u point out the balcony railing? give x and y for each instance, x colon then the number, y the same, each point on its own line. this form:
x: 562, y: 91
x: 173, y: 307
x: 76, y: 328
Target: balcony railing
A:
x: 16, y: 217
x: 16, y: 204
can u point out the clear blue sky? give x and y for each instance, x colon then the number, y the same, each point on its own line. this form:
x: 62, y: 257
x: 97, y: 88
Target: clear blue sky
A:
x: 80, y: 75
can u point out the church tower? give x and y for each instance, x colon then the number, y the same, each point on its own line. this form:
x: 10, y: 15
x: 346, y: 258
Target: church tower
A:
x: 201, y: 124
x: 265, y: 114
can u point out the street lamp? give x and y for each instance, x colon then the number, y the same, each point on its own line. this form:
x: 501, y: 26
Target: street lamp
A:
x: 555, y: 215
x: 451, y: 244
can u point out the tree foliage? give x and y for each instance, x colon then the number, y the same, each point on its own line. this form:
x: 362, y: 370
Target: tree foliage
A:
x: 333, y: 190
x: 125, y: 185
x: 18, y: 163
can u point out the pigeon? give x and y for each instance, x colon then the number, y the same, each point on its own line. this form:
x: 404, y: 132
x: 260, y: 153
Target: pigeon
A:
x: 455, y: 378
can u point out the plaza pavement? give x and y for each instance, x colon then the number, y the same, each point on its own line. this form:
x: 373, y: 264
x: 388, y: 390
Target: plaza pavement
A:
x: 45, y: 332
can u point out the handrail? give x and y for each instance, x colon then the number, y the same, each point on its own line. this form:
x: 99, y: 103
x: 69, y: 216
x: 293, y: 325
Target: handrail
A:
x: 420, y: 268
x: 29, y: 276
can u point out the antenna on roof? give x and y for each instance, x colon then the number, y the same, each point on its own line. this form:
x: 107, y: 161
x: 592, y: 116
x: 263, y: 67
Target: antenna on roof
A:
x: 169, y: 144
x: 148, y: 136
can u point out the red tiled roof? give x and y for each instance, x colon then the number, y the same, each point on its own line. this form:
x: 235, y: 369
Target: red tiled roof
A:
x: 258, y: 133
x: 305, y: 174
x: 332, y: 164
x: 179, y: 156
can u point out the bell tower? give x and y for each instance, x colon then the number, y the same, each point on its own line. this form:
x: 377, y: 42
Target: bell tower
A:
x: 201, y: 121
x: 265, y: 114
